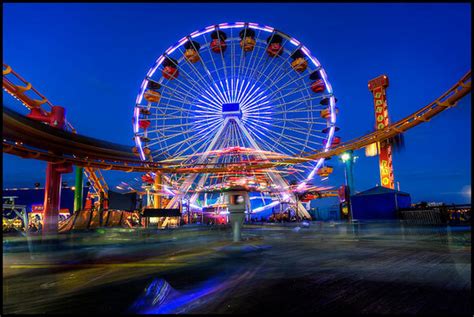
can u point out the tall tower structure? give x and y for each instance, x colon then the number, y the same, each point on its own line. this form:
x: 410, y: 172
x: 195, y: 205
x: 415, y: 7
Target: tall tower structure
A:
x: 378, y: 88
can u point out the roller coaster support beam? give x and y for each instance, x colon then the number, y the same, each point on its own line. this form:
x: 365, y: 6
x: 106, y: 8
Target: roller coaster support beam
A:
x: 52, y: 194
x: 78, y: 191
x: 102, y: 206
x: 157, y: 187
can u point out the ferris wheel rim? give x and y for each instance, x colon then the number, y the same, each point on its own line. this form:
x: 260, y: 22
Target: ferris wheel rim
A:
x: 223, y: 26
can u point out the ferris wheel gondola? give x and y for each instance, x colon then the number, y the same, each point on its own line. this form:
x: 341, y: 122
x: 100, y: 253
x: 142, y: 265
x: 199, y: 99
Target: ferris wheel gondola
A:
x: 235, y: 85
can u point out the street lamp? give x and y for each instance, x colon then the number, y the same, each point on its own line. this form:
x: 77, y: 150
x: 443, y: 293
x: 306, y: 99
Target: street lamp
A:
x: 347, y: 158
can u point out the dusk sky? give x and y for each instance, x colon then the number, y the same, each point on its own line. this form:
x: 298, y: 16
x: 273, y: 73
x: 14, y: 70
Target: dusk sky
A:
x: 91, y: 59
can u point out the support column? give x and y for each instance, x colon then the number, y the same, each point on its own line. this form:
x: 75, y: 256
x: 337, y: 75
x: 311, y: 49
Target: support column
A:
x: 236, y: 221
x: 101, y: 207
x: 157, y: 187
x: 78, y: 192
x: 52, y: 198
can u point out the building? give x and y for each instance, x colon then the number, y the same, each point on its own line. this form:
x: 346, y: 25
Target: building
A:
x: 162, y: 218
x: 379, y: 203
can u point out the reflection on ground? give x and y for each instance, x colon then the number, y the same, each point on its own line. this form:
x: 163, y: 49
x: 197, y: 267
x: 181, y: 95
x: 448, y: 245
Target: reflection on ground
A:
x: 327, y: 267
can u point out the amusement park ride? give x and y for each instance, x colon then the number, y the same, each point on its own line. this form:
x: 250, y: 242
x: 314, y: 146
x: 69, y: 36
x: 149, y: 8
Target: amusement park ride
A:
x: 232, y: 106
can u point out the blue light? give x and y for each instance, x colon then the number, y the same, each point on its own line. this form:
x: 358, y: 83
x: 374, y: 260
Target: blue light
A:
x: 230, y: 107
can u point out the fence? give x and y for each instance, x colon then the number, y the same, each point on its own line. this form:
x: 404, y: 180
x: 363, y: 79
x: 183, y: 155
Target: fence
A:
x: 439, y: 215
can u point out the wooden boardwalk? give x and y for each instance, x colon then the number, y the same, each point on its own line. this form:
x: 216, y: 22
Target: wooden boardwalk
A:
x: 376, y: 269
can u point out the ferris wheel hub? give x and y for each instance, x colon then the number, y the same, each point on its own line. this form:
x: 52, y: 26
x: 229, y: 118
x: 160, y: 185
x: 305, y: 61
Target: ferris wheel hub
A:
x: 231, y: 109
x: 235, y: 86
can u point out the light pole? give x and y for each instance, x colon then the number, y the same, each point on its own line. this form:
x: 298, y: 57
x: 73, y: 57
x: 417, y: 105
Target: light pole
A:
x: 348, y: 159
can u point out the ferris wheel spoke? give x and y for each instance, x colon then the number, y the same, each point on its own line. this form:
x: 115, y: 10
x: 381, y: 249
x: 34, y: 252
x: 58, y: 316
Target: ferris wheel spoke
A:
x: 262, y: 141
x: 166, y: 109
x: 174, y: 145
x: 195, y: 70
x: 279, y: 116
x: 242, y: 58
x: 241, y: 137
x: 256, y: 64
x: 256, y: 69
x: 292, y: 76
x: 205, y: 134
x: 183, y: 95
x: 290, y: 82
x: 302, y: 100
x: 185, y: 75
x: 179, y: 127
x: 293, y: 109
x: 250, y: 96
x: 258, y: 105
x: 243, y: 91
x: 243, y: 140
x: 211, y: 103
x: 266, y: 144
x: 224, y: 65
x: 171, y: 136
x: 287, y: 137
x: 300, y: 89
x: 272, y: 124
x: 178, y: 99
x: 213, y: 62
x: 263, y: 49
x: 283, y: 66
x: 277, y: 65
x: 185, y: 89
x: 252, y: 54
x: 183, y: 131
x: 208, y: 72
x: 232, y: 67
x: 299, y: 120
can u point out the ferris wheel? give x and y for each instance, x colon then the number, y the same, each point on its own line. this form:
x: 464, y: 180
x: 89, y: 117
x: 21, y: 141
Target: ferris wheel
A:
x: 235, y: 92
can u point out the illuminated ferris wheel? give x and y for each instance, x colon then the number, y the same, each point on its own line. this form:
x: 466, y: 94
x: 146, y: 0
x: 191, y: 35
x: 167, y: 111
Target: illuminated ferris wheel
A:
x: 231, y: 93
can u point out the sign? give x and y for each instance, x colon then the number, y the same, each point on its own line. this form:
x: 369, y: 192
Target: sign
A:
x: 377, y: 87
x: 155, y: 212
x: 37, y: 208
x: 341, y: 192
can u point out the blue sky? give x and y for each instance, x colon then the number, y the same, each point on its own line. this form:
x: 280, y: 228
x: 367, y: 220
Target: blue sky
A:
x: 91, y: 59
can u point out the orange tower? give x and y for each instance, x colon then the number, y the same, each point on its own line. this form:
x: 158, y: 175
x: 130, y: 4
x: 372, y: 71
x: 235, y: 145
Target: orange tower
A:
x: 378, y: 88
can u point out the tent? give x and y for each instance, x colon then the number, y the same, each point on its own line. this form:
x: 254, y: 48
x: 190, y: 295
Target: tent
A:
x: 379, y: 203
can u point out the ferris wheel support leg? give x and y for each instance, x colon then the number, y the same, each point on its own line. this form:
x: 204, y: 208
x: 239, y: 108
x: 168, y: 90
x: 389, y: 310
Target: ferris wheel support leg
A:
x: 189, y: 181
x: 275, y: 178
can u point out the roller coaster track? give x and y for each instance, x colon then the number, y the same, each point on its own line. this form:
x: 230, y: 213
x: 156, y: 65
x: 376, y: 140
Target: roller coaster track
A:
x: 93, y: 153
x: 19, y: 92
x: 97, y: 181
x: 447, y: 100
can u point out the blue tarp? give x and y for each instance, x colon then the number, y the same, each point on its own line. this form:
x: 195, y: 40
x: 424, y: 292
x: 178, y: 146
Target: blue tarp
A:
x: 379, y: 203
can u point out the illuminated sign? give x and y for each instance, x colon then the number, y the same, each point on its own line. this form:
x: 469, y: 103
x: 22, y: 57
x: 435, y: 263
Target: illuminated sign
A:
x: 37, y: 208
x: 341, y: 192
x: 377, y: 87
